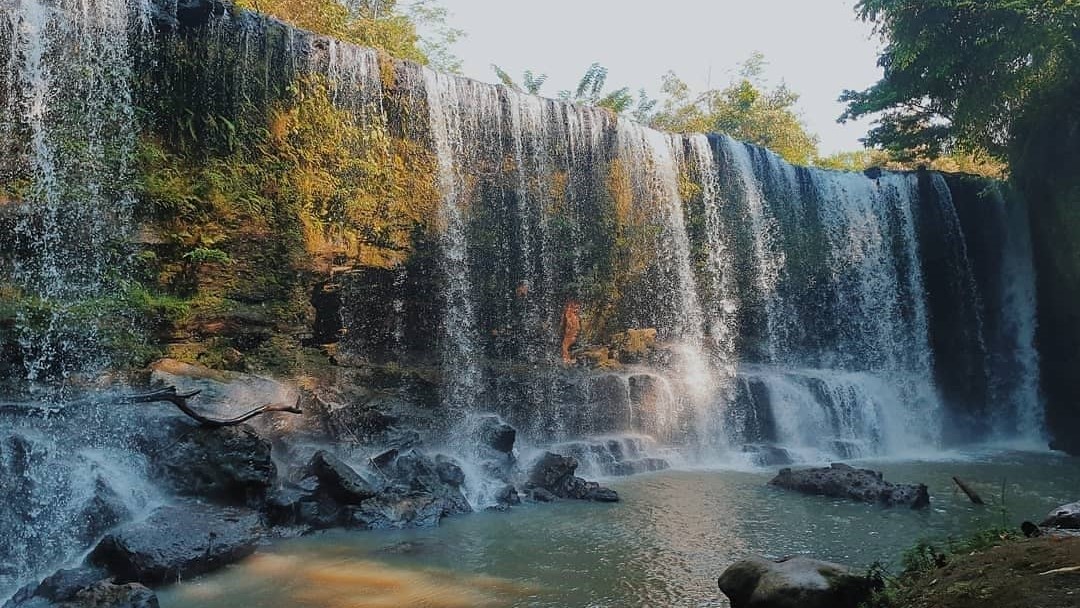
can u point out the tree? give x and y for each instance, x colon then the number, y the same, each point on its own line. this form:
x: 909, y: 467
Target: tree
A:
x: 966, y: 76
x: 746, y: 109
x: 590, y: 91
x: 437, y: 36
x: 530, y: 82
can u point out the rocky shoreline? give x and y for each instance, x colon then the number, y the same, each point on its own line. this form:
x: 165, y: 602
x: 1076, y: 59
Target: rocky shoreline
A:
x: 281, y: 475
x: 1005, y: 571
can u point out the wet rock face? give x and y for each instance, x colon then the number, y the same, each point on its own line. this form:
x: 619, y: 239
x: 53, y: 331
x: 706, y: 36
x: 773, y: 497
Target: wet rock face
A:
x: 554, y: 474
x: 179, y: 541
x: 1066, y: 517
x: 493, y: 433
x: 230, y: 465
x: 796, y: 582
x: 338, y: 480
x: 863, y: 485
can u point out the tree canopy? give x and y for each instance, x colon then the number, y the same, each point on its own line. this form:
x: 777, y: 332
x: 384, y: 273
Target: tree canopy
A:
x: 967, y: 75
x: 746, y: 109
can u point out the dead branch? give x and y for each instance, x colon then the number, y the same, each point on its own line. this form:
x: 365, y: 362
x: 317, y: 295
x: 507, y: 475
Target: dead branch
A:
x: 971, y: 494
x: 180, y: 400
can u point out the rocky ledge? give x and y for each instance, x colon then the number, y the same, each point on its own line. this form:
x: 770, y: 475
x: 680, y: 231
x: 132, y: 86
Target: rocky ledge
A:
x: 862, y: 485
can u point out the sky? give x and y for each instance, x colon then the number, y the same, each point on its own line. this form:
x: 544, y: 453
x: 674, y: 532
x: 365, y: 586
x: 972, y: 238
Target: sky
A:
x: 817, y: 47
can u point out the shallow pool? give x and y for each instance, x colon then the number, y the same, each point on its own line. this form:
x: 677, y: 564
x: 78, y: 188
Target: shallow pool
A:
x: 663, y: 545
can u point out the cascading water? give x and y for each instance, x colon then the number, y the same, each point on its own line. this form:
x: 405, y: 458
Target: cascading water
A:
x: 66, y: 170
x: 69, y: 140
x: 730, y: 303
x: 449, y: 110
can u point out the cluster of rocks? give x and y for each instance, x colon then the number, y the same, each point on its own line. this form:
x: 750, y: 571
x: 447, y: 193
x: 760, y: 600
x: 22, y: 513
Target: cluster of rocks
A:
x: 863, y: 485
x: 234, y: 488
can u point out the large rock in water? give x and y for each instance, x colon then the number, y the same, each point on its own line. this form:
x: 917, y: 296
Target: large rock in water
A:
x: 178, y: 542
x: 1066, y: 517
x: 795, y: 582
x: 554, y: 473
x: 863, y: 485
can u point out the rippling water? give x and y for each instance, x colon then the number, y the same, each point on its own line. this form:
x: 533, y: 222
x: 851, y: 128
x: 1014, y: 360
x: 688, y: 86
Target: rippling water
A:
x: 664, y: 545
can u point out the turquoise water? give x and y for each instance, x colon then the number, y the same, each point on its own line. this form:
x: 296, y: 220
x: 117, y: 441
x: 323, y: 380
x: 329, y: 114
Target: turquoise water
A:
x: 663, y: 545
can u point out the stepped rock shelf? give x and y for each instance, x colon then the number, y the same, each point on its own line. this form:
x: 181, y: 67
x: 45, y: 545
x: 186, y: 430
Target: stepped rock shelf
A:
x: 452, y: 280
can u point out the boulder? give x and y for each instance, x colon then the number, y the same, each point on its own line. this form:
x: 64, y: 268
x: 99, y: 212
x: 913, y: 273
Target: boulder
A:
x: 794, y: 582
x: 1066, y: 517
x: 493, y: 433
x: 230, y: 465
x: 178, y: 541
x: 507, y: 496
x: 85, y: 587
x: 551, y: 469
x: 555, y: 474
x: 414, y: 471
x: 339, y: 480
x: 863, y: 485
x: 104, y: 510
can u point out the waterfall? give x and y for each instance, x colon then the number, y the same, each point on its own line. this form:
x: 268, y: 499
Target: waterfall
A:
x: 772, y: 292
x: 1023, y: 413
x: 768, y: 260
x: 67, y: 165
x: 450, y: 112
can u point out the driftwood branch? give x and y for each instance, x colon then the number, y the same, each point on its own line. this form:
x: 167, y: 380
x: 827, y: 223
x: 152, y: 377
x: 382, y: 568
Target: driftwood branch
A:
x: 180, y: 400
x: 971, y: 494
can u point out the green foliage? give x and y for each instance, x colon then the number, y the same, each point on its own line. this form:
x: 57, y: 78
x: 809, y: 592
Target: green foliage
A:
x: 967, y: 76
x: 530, y: 82
x: 924, y: 558
x: 206, y: 255
x: 973, y: 163
x: 746, y: 109
x: 379, y: 24
x: 590, y: 92
x: 430, y: 17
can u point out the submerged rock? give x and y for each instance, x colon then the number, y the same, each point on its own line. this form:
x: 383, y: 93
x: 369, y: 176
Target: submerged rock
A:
x: 794, y: 582
x: 392, y: 510
x: 1066, y: 517
x: 554, y: 473
x: 766, y: 455
x: 863, y: 485
x: 85, y: 587
x: 178, y: 542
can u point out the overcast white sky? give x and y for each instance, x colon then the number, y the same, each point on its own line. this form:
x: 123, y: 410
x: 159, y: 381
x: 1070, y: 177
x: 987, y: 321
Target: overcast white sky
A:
x: 816, y: 46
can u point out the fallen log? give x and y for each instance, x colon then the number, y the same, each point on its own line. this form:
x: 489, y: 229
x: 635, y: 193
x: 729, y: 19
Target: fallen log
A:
x: 180, y: 400
x: 971, y: 494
